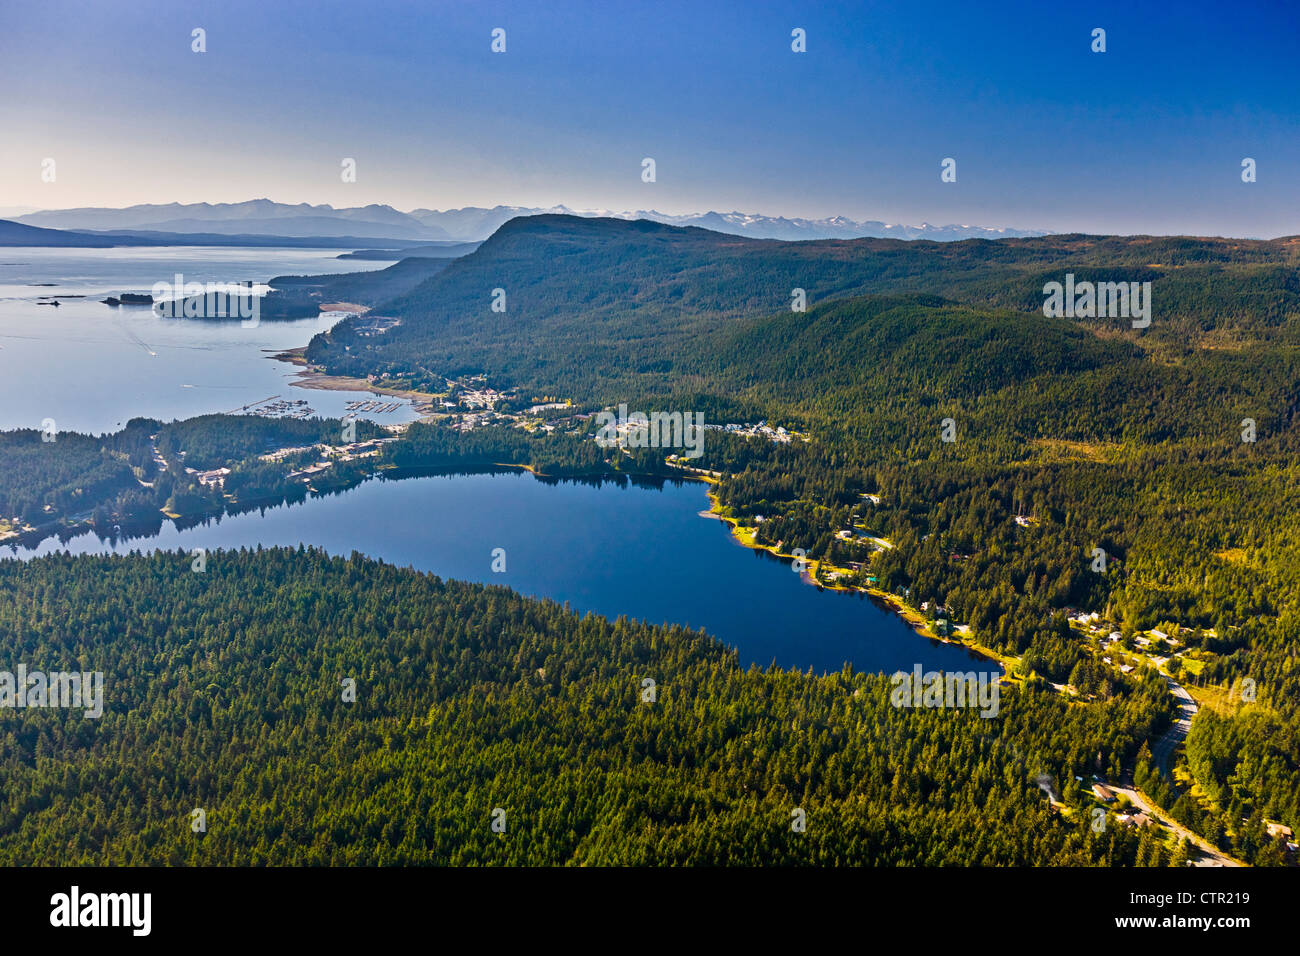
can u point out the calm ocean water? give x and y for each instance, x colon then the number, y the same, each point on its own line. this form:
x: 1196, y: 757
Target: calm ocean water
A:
x: 91, y: 367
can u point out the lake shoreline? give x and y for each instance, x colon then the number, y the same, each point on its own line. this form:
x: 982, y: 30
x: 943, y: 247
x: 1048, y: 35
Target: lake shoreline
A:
x: 763, y: 631
x: 744, y: 536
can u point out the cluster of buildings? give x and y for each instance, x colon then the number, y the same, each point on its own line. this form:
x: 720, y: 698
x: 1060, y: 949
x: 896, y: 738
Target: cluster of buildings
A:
x: 479, y: 397
x: 468, y: 423
x: 350, y: 452
x: 762, y: 429
x: 1106, y: 795
x: 373, y: 325
x: 1093, y: 623
x: 310, y: 470
x: 216, y: 478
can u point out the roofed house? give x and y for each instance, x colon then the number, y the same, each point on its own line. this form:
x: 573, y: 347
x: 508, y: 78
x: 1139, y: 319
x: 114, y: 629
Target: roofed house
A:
x: 1278, y: 830
x: 1104, y: 793
x: 1134, y: 819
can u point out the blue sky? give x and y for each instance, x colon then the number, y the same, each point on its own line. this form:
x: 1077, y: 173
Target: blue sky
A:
x: 1146, y: 137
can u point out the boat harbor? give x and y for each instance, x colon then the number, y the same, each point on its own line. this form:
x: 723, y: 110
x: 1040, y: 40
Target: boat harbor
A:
x: 373, y: 407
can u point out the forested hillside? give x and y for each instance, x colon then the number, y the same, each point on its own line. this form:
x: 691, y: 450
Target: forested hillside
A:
x: 363, y: 288
x: 224, y: 691
x: 51, y: 482
x: 995, y: 452
x: 1170, y: 448
x: 607, y: 308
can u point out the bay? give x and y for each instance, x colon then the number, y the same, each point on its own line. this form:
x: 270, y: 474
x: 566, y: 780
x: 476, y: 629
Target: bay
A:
x: 91, y: 367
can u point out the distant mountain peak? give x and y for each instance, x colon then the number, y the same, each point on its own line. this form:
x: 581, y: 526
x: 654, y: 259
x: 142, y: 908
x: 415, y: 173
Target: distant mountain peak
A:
x: 264, y: 216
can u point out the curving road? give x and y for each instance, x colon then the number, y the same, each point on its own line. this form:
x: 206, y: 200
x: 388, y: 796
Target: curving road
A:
x: 1160, y: 755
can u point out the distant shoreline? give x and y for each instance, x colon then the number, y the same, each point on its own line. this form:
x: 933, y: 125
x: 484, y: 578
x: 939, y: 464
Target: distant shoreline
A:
x: 313, y: 377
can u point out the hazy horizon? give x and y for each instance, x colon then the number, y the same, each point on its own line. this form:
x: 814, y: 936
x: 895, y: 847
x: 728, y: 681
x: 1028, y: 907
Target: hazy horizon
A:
x: 12, y: 212
x: 1144, y: 138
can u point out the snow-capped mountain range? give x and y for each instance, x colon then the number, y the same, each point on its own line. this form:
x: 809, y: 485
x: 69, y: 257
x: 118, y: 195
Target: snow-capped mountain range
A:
x: 470, y: 224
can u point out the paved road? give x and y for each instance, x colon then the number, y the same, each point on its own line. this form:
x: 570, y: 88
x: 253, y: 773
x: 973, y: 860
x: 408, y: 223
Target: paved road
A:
x: 1177, y: 733
x: 1161, y: 755
x: 1208, y: 856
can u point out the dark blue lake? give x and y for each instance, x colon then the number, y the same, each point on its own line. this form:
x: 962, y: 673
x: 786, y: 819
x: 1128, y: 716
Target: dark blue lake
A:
x: 616, y: 549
